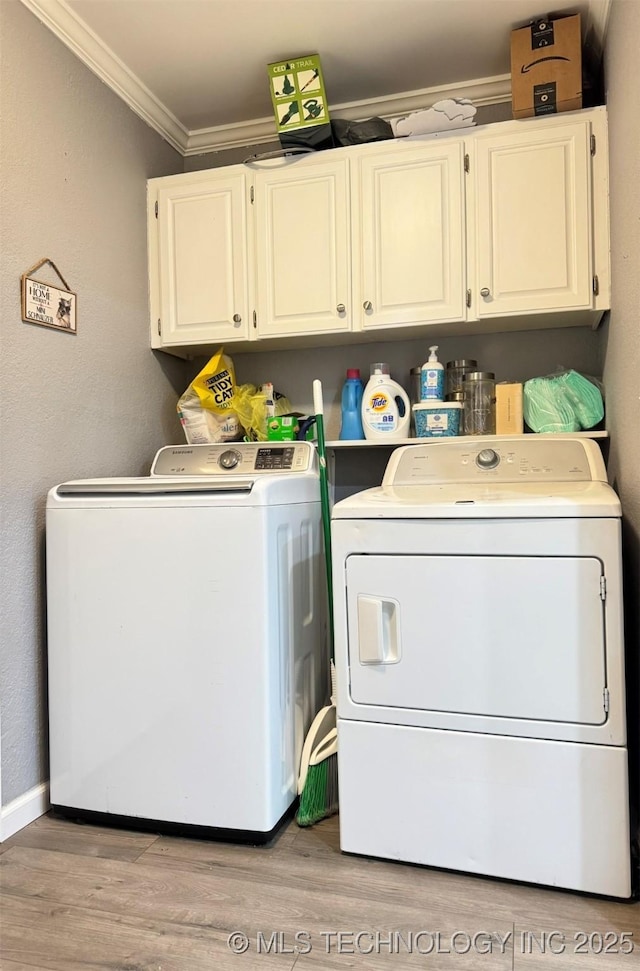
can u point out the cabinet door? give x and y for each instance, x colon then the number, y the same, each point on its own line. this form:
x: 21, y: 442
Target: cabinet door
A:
x: 533, y: 221
x: 411, y: 252
x: 302, y: 248
x: 203, y: 260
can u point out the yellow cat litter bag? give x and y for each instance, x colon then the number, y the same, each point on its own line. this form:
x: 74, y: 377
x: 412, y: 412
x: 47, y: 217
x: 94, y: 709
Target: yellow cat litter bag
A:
x: 206, y: 409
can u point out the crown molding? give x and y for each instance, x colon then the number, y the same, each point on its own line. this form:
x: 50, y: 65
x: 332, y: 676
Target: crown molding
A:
x: 87, y: 46
x: 486, y: 91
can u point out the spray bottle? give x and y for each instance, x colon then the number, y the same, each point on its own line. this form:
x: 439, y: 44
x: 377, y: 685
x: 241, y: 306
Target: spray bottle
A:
x: 385, y: 407
x: 432, y: 378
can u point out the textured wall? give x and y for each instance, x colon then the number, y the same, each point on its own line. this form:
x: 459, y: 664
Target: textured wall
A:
x: 74, y: 162
x: 622, y: 367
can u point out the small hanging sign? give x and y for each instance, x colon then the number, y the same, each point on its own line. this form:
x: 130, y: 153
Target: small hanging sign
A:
x: 47, y: 305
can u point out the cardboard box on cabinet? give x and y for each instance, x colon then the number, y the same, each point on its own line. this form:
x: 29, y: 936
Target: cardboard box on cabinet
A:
x: 546, y: 67
x: 300, y: 103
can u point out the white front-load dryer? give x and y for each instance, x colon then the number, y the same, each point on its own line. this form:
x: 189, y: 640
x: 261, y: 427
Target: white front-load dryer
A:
x: 479, y: 654
x: 186, y: 639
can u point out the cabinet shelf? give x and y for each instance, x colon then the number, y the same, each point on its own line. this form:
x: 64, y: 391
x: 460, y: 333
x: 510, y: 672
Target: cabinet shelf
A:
x: 470, y: 438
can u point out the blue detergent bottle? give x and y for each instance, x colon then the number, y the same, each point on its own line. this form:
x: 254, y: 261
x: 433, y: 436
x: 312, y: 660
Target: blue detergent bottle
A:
x: 351, y: 427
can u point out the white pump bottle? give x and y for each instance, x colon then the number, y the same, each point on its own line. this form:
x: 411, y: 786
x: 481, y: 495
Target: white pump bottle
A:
x: 432, y: 378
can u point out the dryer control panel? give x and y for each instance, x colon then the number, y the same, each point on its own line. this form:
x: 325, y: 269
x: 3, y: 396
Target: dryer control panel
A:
x: 497, y: 459
x: 235, y: 458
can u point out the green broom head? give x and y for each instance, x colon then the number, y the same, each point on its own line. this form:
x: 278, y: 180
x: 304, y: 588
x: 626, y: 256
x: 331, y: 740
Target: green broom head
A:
x: 319, y: 797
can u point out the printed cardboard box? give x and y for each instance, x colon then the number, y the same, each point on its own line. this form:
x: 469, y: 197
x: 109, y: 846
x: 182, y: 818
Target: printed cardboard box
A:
x: 300, y: 103
x: 546, y: 67
x: 509, y: 415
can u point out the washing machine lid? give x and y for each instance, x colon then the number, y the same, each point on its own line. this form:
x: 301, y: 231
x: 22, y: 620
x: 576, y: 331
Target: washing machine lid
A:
x: 238, y: 473
x: 165, y: 492
x: 491, y: 477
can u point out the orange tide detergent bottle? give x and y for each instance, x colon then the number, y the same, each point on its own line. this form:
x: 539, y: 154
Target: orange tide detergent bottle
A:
x: 385, y: 407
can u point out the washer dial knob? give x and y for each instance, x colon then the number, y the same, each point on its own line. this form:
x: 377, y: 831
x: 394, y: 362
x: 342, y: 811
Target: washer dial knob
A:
x: 487, y: 459
x: 229, y: 459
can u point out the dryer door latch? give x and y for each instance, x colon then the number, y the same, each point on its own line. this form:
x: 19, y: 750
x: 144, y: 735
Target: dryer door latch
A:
x: 378, y: 641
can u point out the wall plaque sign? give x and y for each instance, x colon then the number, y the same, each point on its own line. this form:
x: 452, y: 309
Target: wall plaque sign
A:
x: 47, y: 305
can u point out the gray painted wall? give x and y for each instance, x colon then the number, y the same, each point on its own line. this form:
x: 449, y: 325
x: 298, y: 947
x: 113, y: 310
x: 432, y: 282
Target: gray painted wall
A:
x: 74, y: 161
x: 622, y: 367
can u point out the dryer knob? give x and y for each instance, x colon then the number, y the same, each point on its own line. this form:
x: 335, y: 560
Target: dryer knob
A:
x: 229, y: 459
x: 487, y: 459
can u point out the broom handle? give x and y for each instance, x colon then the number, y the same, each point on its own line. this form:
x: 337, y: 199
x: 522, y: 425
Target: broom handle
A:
x: 318, y: 408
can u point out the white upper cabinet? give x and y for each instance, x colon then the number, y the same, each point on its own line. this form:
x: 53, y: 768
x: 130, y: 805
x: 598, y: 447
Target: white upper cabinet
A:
x: 202, y: 257
x: 409, y: 235
x: 302, y: 246
x: 495, y: 228
x: 533, y: 226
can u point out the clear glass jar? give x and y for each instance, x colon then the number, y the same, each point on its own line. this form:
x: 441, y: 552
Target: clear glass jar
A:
x: 414, y: 392
x: 414, y: 385
x: 454, y: 373
x: 459, y: 397
x: 479, y: 403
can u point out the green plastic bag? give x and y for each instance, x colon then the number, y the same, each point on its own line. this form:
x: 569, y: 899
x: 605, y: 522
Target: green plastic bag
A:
x: 562, y: 402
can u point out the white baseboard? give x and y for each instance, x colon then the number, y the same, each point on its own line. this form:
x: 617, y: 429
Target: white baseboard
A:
x: 23, y: 810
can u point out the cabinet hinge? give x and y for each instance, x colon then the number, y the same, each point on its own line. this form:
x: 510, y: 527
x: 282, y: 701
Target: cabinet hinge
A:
x: 251, y: 195
x: 159, y: 328
x: 605, y: 699
x: 596, y: 285
x: 466, y: 163
x: 603, y: 588
x: 593, y: 144
x: 156, y: 208
x: 468, y: 298
x: 255, y: 319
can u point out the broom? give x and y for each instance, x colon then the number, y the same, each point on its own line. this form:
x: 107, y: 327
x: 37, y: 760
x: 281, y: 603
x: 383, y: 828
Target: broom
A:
x: 318, y: 779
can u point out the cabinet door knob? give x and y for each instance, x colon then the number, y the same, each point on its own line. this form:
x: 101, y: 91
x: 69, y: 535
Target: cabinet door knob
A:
x: 237, y: 319
x: 340, y: 308
x: 367, y: 305
x: 485, y: 292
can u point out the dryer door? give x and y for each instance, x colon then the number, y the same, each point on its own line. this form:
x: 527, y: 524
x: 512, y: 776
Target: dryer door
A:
x: 503, y: 636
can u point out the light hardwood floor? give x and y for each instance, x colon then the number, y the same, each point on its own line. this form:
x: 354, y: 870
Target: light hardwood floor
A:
x: 80, y: 898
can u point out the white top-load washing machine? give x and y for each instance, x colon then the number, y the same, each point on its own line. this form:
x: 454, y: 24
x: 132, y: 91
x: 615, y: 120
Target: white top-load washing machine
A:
x: 479, y: 655
x: 186, y: 638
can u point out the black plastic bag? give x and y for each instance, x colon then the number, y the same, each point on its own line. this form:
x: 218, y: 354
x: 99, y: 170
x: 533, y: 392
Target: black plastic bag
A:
x: 359, y: 132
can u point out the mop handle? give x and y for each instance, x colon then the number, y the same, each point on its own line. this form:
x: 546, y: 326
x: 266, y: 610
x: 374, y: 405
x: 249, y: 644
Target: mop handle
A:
x: 318, y: 408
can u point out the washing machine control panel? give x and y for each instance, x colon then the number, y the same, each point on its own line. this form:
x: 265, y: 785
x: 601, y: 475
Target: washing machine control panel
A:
x: 235, y: 458
x: 274, y: 457
x: 530, y: 458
